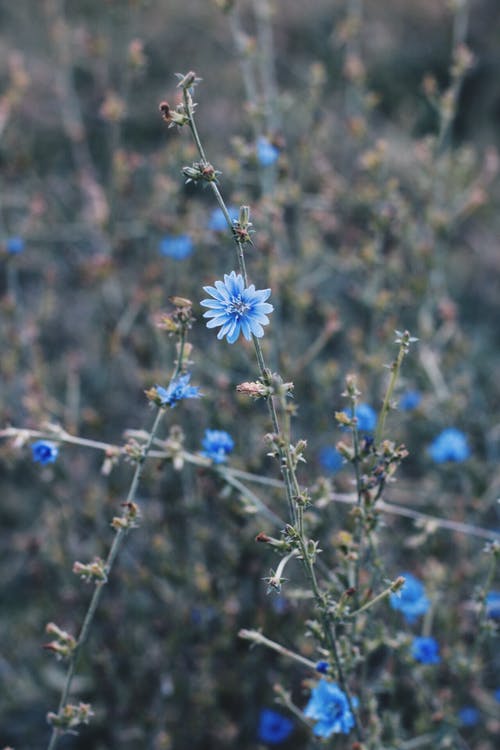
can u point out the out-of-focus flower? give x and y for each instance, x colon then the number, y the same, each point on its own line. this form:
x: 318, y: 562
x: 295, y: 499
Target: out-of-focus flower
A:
x: 178, y: 247
x: 44, y: 452
x: 217, y: 445
x: 411, y: 601
x: 469, y: 716
x: 449, y: 445
x: 322, y: 667
x: 176, y: 391
x: 496, y: 693
x: 237, y: 308
x: 217, y: 221
x: 267, y: 154
x: 366, y: 416
x: 410, y: 400
x: 330, y: 459
x: 493, y: 605
x: 273, y: 727
x: 15, y: 245
x: 329, y: 707
x: 425, y: 650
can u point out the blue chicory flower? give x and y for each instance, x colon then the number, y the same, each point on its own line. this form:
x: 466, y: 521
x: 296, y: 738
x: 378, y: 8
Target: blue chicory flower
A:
x: 329, y: 707
x: 217, y: 221
x: 410, y: 400
x: 493, y: 605
x: 178, y: 247
x: 411, y: 600
x: 330, y: 459
x: 15, y: 245
x: 217, y: 445
x: 322, y: 667
x: 449, y: 445
x: 273, y: 727
x: 366, y: 416
x: 237, y: 308
x: 267, y: 153
x: 469, y: 716
x: 425, y: 650
x: 177, y: 390
x: 44, y: 452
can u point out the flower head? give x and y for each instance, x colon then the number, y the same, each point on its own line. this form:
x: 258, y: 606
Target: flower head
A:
x: 425, y: 650
x: 178, y: 247
x: 322, y: 667
x: 493, y: 605
x: 267, y: 154
x: 237, y: 308
x: 330, y: 459
x: 366, y: 416
x: 449, y: 445
x: 273, y: 727
x: 14, y: 245
x: 176, y: 391
x: 217, y: 221
x: 329, y: 707
x: 411, y: 600
x: 44, y: 452
x: 469, y: 716
x: 217, y: 445
x: 410, y: 400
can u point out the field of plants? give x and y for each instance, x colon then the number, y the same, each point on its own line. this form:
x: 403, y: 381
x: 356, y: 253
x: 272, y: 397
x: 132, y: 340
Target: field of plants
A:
x: 249, y: 392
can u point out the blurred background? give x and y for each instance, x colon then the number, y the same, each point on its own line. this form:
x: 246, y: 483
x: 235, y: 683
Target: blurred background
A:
x: 364, y: 137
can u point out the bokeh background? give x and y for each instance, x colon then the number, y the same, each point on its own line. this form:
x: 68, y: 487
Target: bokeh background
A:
x: 380, y: 213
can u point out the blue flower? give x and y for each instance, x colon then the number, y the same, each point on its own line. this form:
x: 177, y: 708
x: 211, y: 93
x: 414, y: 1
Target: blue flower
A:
x: 469, y: 716
x: 15, y: 245
x: 44, y: 452
x: 411, y: 599
x: 496, y: 693
x: 273, y: 727
x: 409, y: 400
x: 450, y: 445
x: 330, y: 459
x: 217, y: 221
x: 425, y: 650
x: 493, y: 605
x: 236, y: 308
x: 178, y: 247
x: 322, y: 667
x: 267, y: 154
x: 366, y: 416
x: 329, y: 707
x: 217, y: 445
x: 177, y: 390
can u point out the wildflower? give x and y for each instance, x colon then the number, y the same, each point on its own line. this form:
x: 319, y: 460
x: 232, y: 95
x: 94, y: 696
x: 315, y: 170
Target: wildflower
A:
x: 267, y: 154
x: 449, y: 445
x: 469, y: 716
x: 366, y: 416
x: 330, y: 459
x: 273, y: 727
x: 425, y: 650
x: 178, y: 247
x: 237, y: 308
x: 493, y: 605
x: 14, y: 245
x: 217, y: 221
x: 176, y: 391
x: 322, y: 667
x: 329, y: 707
x: 44, y: 452
x: 217, y: 445
x: 411, y: 600
x: 410, y: 400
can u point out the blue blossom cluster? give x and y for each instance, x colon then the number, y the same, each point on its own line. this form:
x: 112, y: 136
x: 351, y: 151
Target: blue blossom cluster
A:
x: 44, y: 452
x: 237, y: 308
x: 217, y: 445
x: 329, y: 708
x: 425, y: 650
x: 330, y: 459
x: 273, y: 727
x: 469, y: 716
x: 178, y: 247
x: 267, y: 154
x: 178, y: 389
x: 411, y: 600
x: 449, y: 445
x: 410, y: 400
x: 14, y: 245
